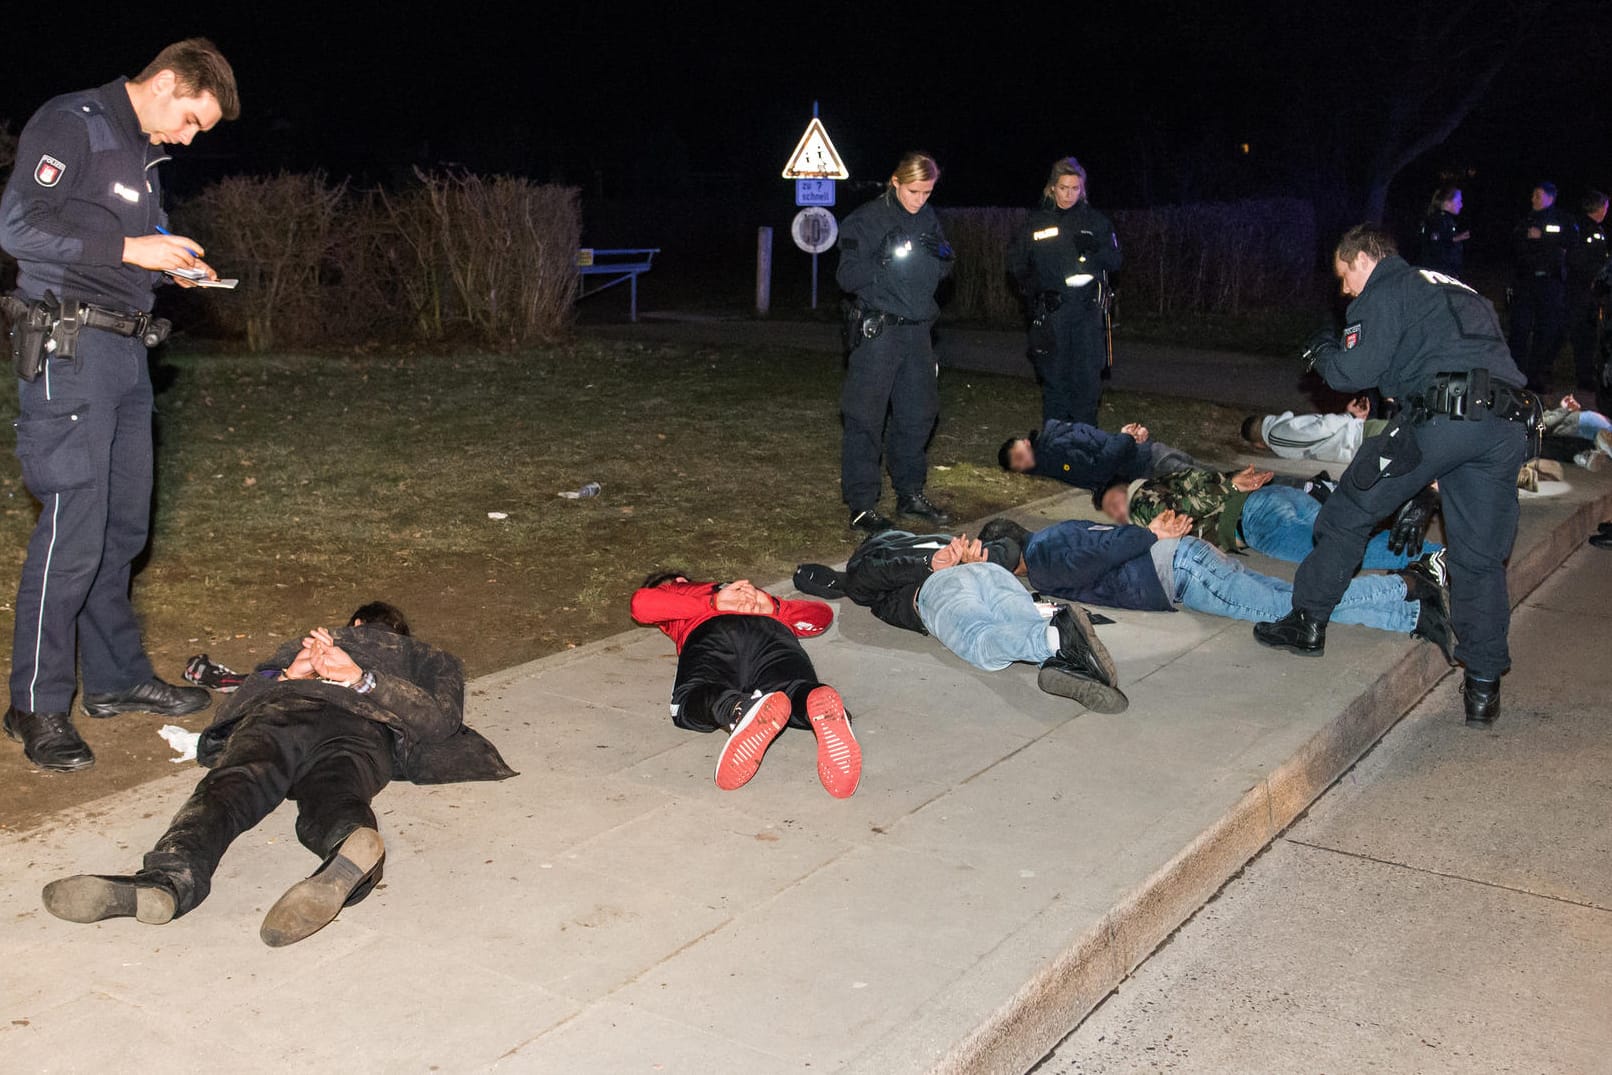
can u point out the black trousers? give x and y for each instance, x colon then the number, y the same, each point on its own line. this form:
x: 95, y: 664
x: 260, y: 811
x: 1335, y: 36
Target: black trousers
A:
x: 332, y: 763
x: 1071, y: 372
x: 892, y: 374
x: 1583, y: 331
x: 727, y: 659
x: 1475, y: 464
x: 1538, y: 312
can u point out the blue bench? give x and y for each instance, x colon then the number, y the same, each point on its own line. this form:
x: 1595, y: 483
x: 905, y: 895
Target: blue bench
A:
x: 621, y: 266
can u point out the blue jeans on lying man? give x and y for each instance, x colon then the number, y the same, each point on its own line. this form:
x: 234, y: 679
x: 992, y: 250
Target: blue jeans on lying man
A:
x: 1207, y: 580
x: 981, y: 613
x: 1280, y: 522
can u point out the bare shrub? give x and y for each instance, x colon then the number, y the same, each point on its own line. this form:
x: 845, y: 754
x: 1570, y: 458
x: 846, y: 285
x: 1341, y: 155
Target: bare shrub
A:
x: 277, y: 234
x: 1211, y: 257
x: 509, y: 249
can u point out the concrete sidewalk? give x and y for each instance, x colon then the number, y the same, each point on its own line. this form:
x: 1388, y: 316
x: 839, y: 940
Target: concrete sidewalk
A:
x: 1007, y: 860
x: 1447, y: 907
x: 1254, y: 381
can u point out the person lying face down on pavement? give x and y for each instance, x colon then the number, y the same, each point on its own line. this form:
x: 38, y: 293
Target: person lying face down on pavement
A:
x: 327, y: 721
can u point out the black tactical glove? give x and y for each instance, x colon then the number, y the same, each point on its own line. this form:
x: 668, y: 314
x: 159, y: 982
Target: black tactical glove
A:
x: 1409, y: 529
x: 938, y: 248
x: 1085, y: 244
x: 896, y: 246
x: 1321, y: 341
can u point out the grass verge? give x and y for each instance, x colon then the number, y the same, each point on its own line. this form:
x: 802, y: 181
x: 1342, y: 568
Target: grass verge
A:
x: 292, y: 488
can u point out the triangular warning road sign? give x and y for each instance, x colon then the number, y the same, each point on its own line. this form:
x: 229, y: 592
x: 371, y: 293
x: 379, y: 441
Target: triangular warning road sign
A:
x: 815, y: 157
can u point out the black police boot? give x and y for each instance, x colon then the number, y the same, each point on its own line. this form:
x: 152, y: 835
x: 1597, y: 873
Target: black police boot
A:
x: 90, y: 897
x: 1296, y: 631
x: 870, y: 521
x: 49, y: 740
x: 152, y: 696
x: 916, y: 504
x: 1602, y: 539
x: 311, y: 904
x: 1482, y: 697
x: 1081, y: 668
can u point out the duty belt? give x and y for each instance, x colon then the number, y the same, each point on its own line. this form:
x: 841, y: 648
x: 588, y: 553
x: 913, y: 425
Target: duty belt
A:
x: 113, y: 321
x: 1470, y: 395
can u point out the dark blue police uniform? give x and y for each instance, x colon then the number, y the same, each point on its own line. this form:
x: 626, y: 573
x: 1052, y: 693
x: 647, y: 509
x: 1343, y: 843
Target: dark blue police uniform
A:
x: 1539, y: 293
x: 1061, y: 260
x: 1586, y: 258
x: 1440, y: 252
x: 1407, y: 331
x: 85, y: 179
x: 892, y: 261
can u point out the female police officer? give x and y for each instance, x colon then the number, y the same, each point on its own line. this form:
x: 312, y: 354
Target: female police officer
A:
x: 892, y: 257
x: 1061, y: 260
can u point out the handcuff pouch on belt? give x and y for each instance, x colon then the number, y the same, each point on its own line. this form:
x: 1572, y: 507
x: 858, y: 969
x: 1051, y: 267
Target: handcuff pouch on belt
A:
x: 1471, y: 396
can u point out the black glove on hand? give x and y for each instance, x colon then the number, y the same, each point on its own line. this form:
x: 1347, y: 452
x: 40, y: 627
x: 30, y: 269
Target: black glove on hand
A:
x: 1321, y: 341
x: 938, y: 248
x: 1085, y: 244
x: 896, y: 245
x: 1409, y: 529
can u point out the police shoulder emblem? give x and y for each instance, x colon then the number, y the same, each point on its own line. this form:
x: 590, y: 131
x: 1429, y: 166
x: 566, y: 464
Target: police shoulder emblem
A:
x: 48, y: 172
x: 1351, y: 336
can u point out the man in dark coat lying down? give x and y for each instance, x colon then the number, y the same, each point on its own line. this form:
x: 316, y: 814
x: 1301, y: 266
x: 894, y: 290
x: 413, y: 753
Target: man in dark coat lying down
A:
x: 327, y: 721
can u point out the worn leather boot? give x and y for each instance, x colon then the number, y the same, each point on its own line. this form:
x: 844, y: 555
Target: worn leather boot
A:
x: 920, y: 506
x: 1296, y: 632
x: 49, y: 740
x: 310, y: 905
x: 88, y: 897
x: 1482, y: 697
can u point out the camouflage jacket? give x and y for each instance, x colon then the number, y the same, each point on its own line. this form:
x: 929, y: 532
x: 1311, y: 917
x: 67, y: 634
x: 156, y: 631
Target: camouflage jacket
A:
x: 1208, y: 496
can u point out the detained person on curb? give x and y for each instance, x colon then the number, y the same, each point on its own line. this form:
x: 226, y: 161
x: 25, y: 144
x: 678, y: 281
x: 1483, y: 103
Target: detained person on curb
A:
x: 1060, y: 260
x: 327, y: 721
x: 82, y: 214
x: 1088, y: 458
x: 1161, y: 567
x: 893, y: 255
x: 741, y: 668
x: 963, y: 592
x: 1434, y: 345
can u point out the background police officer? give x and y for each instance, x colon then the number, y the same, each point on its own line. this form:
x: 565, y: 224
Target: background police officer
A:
x: 1538, y: 300
x: 1585, y: 260
x: 1435, y: 345
x: 1061, y: 261
x: 1443, y: 238
x: 82, y: 215
x: 893, y: 255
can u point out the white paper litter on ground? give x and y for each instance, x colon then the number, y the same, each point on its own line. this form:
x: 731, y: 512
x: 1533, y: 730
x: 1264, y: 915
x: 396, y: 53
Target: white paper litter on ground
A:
x: 498, y: 515
x: 181, y: 740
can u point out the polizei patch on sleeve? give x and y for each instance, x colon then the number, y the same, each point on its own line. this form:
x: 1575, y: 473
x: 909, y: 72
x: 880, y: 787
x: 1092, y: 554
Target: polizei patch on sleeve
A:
x: 48, y: 172
x: 1351, y: 336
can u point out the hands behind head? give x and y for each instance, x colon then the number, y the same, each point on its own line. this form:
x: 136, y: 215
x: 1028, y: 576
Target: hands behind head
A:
x: 1359, y: 407
x: 1249, y: 479
x: 741, y: 597
x: 962, y: 550
x: 1137, y: 430
x: 1571, y: 403
x: 1170, y: 524
x: 321, y: 658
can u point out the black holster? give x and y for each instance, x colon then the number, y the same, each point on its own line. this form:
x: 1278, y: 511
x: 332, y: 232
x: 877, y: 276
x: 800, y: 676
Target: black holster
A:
x: 36, y: 333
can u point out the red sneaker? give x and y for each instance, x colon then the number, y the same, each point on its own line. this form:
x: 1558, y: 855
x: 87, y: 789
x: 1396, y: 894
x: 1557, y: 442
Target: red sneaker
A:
x: 839, y: 756
x: 751, y: 737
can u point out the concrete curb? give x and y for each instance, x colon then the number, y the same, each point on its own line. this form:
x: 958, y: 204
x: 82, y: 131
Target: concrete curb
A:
x: 1058, y: 997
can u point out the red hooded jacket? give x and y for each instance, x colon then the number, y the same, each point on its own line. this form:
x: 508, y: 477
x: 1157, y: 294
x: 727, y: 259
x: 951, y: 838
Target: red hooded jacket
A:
x: 679, y: 607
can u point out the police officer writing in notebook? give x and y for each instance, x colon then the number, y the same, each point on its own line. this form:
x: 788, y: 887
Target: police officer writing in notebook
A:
x: 82, y: 215
x: 1434, y: 345
x: 893, y: 255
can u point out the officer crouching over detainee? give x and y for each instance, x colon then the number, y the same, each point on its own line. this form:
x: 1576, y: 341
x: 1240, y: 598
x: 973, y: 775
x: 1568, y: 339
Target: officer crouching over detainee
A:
x: 1435, y: 345
x: 82, y: 215
x: 893, y: 255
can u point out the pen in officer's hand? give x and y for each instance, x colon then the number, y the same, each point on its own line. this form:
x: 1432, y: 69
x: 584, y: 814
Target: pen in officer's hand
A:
x: 164, y: 231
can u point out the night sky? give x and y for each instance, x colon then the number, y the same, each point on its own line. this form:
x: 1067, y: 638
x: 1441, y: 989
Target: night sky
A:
x: 1157, y: 104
